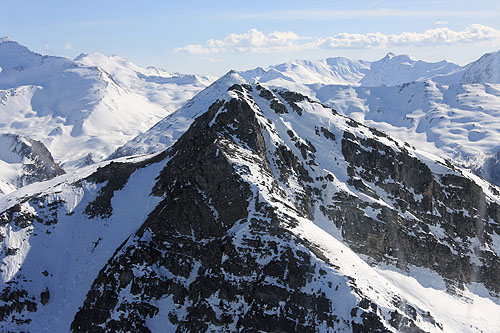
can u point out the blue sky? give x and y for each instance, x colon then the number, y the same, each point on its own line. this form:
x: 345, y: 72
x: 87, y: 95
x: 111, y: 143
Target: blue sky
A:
x: 214, y: 36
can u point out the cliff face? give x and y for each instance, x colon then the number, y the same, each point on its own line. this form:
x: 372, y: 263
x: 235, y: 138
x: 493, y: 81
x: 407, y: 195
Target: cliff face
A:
x: 262, y: 216
x: 25, y: 161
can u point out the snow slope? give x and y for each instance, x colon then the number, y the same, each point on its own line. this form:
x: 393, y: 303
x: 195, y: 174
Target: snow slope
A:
x: 458, y: 121
x: 390, y: 70
x: 78, y: 109
x: 440, y: 107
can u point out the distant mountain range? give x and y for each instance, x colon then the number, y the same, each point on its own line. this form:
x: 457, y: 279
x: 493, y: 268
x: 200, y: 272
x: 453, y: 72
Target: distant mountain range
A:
x: 443, y: 108
x: 389, y: 71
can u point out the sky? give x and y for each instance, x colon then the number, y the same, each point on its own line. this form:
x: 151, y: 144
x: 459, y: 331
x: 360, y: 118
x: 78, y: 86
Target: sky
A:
x: 212, y: 37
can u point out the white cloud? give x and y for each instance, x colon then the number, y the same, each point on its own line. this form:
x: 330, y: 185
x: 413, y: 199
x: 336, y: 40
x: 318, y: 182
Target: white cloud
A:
x: 440, y: 36
x: 256, y: 41
x: 353, y: 41
x: 253, y: 40
x: 46, y: 46
x: 441, y: 22
x: 210, y: 60
x: 195, y: 49
x: 67, y: 46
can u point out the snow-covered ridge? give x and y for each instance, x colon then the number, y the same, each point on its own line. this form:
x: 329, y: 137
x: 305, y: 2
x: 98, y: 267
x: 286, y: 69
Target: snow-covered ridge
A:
x: 390, y: 70
x: 83, y: 109
x: 167, y: 131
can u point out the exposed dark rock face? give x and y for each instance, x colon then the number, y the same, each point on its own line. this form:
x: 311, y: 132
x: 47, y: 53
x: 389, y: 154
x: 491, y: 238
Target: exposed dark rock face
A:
x: 451, y: 201
x: 16, y: 301
x: 38, y: 164
x: 292, y: 98
x: 189, y: 236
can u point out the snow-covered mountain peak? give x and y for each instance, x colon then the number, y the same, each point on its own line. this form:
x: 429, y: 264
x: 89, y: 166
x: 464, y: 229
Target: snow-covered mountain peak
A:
x: 262, y: 216
x: 389, y: 56
x: 5, y: 39
x: 168, y: 130
x: 484, y: 70
x: 10, y: 50
x: 231, y: 77
x: 21, y: 66
x: 84, y: 109
x: 124, y: 70
x: 400, y: 58
x: 100, y: 60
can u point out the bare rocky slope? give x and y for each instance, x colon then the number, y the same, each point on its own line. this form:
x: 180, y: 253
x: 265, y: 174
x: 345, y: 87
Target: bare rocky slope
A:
x: 24, y: 161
